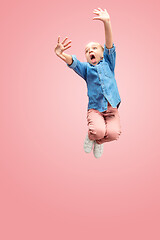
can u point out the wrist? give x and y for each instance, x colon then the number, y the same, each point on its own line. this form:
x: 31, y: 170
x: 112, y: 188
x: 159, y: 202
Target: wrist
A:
x: 107, y: 21
x: 58, y: 54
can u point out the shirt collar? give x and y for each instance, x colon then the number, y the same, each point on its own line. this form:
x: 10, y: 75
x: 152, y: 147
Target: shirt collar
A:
x: 96, y: 64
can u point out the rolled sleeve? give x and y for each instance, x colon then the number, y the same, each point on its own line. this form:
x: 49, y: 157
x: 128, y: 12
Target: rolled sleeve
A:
x: 110, y: 56
x: 74, y: 63
x: 79, y: 67
x: 109, y: 51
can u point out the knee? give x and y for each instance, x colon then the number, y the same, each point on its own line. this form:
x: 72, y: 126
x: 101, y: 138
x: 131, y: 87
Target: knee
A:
x: 98, y: 133
x: 114, y: 135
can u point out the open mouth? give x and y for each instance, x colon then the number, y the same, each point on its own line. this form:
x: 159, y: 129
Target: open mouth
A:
x: 93, y: 58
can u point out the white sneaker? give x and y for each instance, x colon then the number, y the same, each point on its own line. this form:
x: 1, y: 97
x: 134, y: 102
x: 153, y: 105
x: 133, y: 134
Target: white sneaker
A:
x: 98, y: 150
x: 88, y: 144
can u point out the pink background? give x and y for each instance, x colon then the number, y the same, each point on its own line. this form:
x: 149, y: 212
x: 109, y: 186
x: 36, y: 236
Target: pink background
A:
x: 50, y: 188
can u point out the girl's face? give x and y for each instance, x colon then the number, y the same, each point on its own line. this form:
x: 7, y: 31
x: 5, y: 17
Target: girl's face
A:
x: 93, y: 53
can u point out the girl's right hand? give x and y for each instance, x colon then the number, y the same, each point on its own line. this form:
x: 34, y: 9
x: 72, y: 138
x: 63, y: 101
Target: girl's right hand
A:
x: 61, y: 47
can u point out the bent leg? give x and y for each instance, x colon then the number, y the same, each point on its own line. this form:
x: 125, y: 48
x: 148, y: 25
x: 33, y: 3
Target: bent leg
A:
x: 113, y: 126
x: 96, y: 125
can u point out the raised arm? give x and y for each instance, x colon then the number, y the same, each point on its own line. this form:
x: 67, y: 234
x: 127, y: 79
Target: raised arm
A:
x: 71, y: 60
x: 60, y: 48
x: 105, y: 18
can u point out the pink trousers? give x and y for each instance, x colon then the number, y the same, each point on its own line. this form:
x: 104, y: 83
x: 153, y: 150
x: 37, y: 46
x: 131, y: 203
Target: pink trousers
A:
x: 103, y: 126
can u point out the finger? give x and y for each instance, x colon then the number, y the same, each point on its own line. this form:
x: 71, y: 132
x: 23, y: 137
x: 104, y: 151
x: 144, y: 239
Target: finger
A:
x: 67, y: 47
x: 96, y: 18
x: 58, y: 39
x: 64, y: 40
x: 100, y: 10
x: 67, y: 44
x: 96, y: 13
x: 95, y: 10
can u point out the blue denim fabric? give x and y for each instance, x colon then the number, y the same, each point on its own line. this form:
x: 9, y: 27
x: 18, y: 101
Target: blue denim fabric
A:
x: 100, y: 80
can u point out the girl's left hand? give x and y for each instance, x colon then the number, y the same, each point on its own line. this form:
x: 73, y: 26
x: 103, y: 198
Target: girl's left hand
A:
x: 102, y: 15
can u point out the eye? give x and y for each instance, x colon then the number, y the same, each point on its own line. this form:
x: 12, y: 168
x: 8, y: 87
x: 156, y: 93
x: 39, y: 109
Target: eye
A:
x: 94, y: 48
x: 86, y: 51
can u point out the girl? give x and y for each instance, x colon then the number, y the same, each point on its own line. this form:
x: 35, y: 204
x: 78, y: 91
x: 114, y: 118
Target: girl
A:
x: 104, y: 99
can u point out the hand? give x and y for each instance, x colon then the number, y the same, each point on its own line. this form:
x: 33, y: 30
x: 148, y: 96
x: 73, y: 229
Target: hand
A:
x: 102, y: 15
x: 61, y: 47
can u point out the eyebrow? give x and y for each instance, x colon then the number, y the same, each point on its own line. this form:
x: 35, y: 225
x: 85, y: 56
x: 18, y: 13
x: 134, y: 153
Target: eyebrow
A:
x: 92, y: 46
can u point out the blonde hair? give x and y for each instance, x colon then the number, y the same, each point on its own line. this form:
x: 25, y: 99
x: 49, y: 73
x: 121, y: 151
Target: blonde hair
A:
x: 102, y: 47
x: 98, y: 44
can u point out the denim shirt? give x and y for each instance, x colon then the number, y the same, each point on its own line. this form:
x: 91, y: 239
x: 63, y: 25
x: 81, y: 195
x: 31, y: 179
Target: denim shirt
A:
x: 100, y: 80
